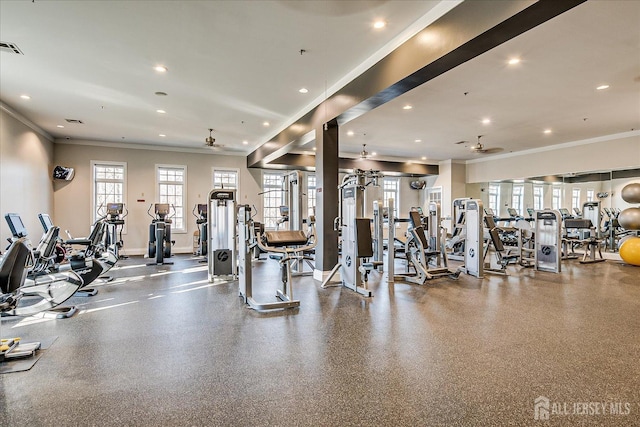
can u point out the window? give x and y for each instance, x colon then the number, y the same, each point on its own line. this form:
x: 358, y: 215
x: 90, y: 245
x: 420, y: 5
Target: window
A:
x: 272, y: 198
x: 556, y: 198
x: 171, y: 189
x: 591, y: 195
x: 311, y: 194
x: 109, y: 181
x: 494, y: 198
x: 575, y: 198
x: 225, y: 178
x: 537, y: 198
x: 391, y: 189
x: 517, y: 198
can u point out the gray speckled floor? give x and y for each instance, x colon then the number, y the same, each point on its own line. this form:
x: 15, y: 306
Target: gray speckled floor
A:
x: 170, y: 349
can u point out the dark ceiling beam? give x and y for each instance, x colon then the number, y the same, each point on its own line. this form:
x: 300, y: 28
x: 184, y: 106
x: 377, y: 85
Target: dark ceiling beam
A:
x: 307, y: 162
x: 470, y: 29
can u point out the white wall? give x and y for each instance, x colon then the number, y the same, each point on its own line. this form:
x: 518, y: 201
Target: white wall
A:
x: 26, y: 159
x: 72, y: 200
x: 620, y: 151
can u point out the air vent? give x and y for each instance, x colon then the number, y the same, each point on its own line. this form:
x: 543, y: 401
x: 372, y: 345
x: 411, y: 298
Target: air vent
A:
x: 76, y: 121
x: 10, y: 47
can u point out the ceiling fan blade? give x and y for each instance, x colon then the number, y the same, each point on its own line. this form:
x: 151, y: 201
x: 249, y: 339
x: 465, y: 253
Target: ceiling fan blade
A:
x: 461, y: 142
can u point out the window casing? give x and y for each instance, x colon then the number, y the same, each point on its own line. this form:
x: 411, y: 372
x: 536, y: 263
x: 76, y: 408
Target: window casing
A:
x: 272, y: 198
x: 575, y: 198
x: 109, y: 186
x: 226, y: 178
x: 391, y: 189
x: 538, y: 197
x: 494, y: 198
x: 311, y: 194
x: 171, y: 186
x: 517, y: 198
x: 556, y: 198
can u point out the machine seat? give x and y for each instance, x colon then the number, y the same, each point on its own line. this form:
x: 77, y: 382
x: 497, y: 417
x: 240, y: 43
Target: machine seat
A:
x: 285, y: 238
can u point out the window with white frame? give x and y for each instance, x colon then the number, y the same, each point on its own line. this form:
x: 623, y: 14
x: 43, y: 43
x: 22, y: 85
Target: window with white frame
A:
x: 494, y: 198
x: 272, y: 198
x: 171, y: 189
x: 591, y: 195
x: 225, y: 178
x: 311, y: 194
x: 109, y: 185
x: 538, y: 198
x: 556, y: 198
x: 391, y: 189
x: 517, y: 198
x: 575, y: 198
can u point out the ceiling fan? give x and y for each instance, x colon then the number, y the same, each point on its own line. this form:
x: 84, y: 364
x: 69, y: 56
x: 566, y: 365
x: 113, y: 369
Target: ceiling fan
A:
x: 210, y: 141
x: 364, y: 154
x: 480, y: 149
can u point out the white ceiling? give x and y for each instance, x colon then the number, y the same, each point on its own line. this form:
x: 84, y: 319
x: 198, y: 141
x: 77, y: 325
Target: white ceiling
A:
x: 231, y: 64
x: 234, y: 64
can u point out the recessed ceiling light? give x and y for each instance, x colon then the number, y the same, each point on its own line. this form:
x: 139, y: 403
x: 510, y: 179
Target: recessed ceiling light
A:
x: 424, y: 157
x: 407, y: 107
x: 350, y: 133
x: 314, y: 148
x: 265, y: 124
x: 513, y: 61
x: 303, y: 90
x: 25, y: 97
x: 60, y: 126
x: 160, y: 68
x: 547, y: 131
x: 418, y: 140
x: 379, y: 24
x: 160, y: 111
x: 486, y: 121
x: 374, y: 153
x: 162, y: 135
x: 603, y: 87
x: 245, y: 142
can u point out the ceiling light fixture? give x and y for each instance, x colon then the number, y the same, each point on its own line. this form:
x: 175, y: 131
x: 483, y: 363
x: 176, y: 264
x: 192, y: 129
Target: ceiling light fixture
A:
x: 161, y: 112
x: 486, y: 121
x: 602, y: 87
x: 265, y: 124
x: 60, y: 126
x: 513, y: 61
x: 161, y: 68
x: 418, y: 140
x: 245, y: 142
x: 379, y: 24
x: 315, y: 149
x: 25, y: 97
x: 303, y: 90
x: 162, y: 135
x: 547, y: 131
x: 424, y: 157
x: 373, y: 153
x: 350, y: 133
x: 407, y: 107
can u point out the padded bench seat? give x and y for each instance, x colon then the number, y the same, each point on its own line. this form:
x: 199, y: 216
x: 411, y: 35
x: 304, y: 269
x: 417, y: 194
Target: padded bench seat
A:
x: 286, y: 238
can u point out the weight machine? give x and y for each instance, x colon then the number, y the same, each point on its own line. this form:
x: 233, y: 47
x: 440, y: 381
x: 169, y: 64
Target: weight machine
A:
x: 221, y: 246
x: 473, y: 237
x: 357, y: 243
x: 457, y: 241
x: 289, y: 247
x: 548, y: 240
x: 160, y: 234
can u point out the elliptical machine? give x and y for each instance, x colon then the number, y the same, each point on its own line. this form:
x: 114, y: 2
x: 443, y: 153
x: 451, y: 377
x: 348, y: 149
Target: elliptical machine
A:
x: 201, y: 222
x: 160, y: 234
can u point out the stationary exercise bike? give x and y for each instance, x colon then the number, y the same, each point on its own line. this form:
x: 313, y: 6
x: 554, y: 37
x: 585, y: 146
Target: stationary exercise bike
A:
x: 160, y: 233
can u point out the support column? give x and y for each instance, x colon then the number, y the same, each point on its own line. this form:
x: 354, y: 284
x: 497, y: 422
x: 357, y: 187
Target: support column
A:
x: 326, y: 198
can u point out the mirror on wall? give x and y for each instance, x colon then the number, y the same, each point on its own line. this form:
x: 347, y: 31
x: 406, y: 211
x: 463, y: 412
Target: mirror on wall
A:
x: 569, y: 191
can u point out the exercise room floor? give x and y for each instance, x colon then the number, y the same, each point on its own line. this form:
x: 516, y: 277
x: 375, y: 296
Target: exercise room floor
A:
x: 160, y: 346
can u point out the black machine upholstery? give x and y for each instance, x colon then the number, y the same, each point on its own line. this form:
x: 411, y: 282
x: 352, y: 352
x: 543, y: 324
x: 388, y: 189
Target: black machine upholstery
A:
x: 12, y: 273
